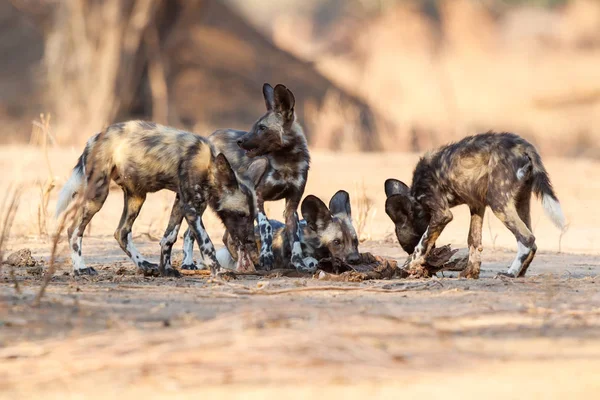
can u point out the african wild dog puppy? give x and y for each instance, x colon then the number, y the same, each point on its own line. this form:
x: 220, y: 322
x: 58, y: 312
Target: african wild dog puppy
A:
x: 143, y: 157
x: 327, y: 233
x: 277, y: 140
x: 496, y: 170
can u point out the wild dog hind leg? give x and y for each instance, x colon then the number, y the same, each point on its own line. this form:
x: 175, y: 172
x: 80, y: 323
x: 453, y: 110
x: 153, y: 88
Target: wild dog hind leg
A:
x: 94, y: 198
x: 525, y: 240
x: 131, y: 210
x: 169, y: 239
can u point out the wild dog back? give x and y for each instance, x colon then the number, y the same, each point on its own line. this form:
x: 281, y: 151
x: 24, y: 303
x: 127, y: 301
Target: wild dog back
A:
x: 496, y: 170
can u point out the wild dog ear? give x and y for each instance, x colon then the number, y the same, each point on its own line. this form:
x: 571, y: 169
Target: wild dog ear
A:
x: 394, y: 186
x: 284, y: 101
x: 399, y: 208
x: 340, y: 203
x: 269, y: 96
x: 256, y: 170
x: 224, y: 173
x: 315, y: 213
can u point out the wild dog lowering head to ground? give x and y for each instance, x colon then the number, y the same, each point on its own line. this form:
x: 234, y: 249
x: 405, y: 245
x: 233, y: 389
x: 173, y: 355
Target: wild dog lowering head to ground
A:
x: 496, y: 170
x: 327, y: 233
x: 277, y: 139
x: 143, y: 157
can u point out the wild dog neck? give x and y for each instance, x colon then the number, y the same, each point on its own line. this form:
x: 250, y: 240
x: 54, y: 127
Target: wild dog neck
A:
x: 293, y: 151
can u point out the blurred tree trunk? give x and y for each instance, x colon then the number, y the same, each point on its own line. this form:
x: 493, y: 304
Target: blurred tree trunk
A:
x: 94, y: 62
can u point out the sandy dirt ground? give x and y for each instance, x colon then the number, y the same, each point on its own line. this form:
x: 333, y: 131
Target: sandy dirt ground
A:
x: 124, y: 334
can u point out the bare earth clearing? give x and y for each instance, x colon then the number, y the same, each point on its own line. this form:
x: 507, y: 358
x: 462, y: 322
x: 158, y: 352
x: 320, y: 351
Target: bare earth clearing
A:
x: 121, y: 333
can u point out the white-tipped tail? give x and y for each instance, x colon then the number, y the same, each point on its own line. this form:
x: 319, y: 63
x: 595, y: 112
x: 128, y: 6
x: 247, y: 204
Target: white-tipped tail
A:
x: 553, y: 211
x: 224, y: 258
x: 71, y: 188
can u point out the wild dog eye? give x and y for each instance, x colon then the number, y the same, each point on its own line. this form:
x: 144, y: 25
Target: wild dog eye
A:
x: 337, y: 242
x: 262, y: 127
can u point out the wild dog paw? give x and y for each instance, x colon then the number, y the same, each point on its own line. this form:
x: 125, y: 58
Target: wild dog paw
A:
x: 311, y: 263
x: 149, y: 269
x: 416, y: 269
x: 172, y: 273
x: 266, y: 261
x: 85, y: 271
x: 471, y: 272
x: 301, y: 266
x: 189, y: 267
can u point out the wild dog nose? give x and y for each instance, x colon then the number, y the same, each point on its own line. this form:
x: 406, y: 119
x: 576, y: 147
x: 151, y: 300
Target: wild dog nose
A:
x: 240, y: 142
x: 353, y: 258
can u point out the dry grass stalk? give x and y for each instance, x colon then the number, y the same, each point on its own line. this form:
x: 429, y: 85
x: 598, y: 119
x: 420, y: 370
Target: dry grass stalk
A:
x: 40, y: 135
x: 66, y: 218
x: 92, y: 48
x: 364, y: 206
x: 10, y: 203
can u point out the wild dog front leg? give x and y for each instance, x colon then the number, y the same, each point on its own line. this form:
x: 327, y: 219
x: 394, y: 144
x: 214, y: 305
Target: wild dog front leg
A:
x: 474, y: 241
x: 188, y: 251
x: 193, y: 214
x: 439, y: 220
x: 169, y: 239
x: 294, y: 232
x: 266, y: 257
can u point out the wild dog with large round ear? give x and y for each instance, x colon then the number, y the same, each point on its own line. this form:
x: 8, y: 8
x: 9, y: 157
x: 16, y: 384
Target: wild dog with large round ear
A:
x: 496, y: 170
x: 144, y: 157
x: 333, y: 226
x: 278, y: 138
x: 317, y: 243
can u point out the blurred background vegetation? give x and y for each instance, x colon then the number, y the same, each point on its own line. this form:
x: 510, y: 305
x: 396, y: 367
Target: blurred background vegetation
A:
x: 368, y: 75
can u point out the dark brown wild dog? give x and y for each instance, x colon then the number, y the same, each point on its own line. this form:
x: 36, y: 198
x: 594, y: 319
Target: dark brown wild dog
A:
x: 496, y: 170
x: 277, y: 140
x: 143, y: 157
x: 326, y: 233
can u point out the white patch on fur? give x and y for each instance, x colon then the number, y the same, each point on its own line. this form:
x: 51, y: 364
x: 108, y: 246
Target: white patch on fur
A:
x: 224, y: 258
x: 136, y: 257
x: 311, y: 262
x: 188, y: 249
x: 297, y: 249
x: 516, y: 265
x: 234, y: 202
x: 171, y: 237
x: 554, y: 211
x: 421, y: 246
x: 205, y: 247
x: 73, y: 185
x: 263, y: 221
x: 76, y: 259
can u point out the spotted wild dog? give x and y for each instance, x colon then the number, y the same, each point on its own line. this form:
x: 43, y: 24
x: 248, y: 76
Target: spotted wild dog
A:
x: 144, y: 157
x: 277, y: 140
x: 496, y: 170
x: 327, y: 233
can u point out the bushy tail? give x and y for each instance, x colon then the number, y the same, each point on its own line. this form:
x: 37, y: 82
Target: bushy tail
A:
x: 76, y: 182
x: 542, y: 187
